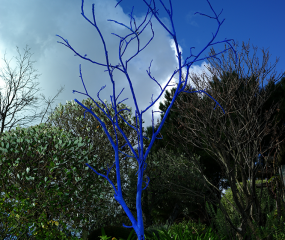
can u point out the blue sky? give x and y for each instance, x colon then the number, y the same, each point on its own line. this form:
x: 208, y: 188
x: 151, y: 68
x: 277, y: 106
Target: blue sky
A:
x: 36, y: 23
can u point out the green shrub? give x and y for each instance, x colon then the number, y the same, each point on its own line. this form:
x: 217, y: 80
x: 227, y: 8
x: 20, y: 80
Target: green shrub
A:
x: 111, y: 231
x: 190, y: 226
x: 149, y: 232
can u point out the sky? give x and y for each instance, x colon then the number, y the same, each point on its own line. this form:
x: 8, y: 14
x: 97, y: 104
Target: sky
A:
x: 36, y: 23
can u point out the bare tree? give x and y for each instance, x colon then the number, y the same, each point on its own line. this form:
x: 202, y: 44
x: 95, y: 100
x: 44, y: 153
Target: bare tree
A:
x: 234, y: 138
x: 15, y: 83
x: 11, y: 103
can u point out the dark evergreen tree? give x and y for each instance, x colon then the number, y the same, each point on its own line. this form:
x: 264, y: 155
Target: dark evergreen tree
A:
x: 278, y: 95
x: 165, y: 202
x: 212, y: 169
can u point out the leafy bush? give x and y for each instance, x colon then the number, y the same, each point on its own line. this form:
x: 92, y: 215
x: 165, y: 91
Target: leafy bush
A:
x: 111, y: 231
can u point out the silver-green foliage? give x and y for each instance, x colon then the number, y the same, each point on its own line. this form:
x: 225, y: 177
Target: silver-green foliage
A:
x: 71, y: 117
x: 30, y: 161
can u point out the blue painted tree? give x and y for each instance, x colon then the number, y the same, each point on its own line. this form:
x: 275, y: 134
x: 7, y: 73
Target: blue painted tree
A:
x: 141, y: 156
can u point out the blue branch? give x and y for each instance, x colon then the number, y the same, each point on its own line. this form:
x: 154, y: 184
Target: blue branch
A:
x: 141, y: 156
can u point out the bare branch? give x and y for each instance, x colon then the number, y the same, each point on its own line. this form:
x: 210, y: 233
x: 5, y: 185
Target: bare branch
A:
x: 10, y: 104
x: 236, y: 135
